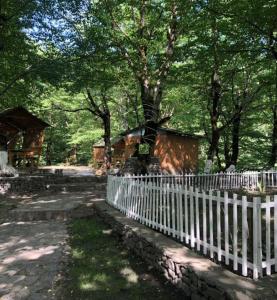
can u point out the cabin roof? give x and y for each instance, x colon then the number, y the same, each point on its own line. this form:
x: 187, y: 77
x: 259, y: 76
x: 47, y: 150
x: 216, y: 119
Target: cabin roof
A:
x: 141, y: 130
x: 21, y: 119
x: 101, y: 143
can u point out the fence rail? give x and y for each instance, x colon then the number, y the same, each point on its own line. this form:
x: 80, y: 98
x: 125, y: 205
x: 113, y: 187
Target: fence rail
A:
x: 219, y: 181
x: 239, y: 231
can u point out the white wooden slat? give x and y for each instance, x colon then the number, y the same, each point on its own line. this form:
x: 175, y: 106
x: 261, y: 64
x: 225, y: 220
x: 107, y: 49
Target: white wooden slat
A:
x: 141, y: 197
x: 124, y: 197
x: 146, y: 202
x: 164, y: 207
x: 149, y: 202
x: 197, y: 219
x: 134, y: 200
x: 191, y: 205
x: 275, y: 231
x: 157, y: 206
x: 152, y: 205
x: 255, y: 239
x: 226, y: 228
x: 268, y: 244
x: 235, y: 232
x: 161, y: 205
x: 151, y: 210
x: 128, y: 208
x: 260, y: 252
x: 186, y: 217
x: 204, y: 223
x: 244, y: 235
x: 131, y: 196
x: 168, y: 207
x: 218, y: 226
x: 211, y: 243
x: 125, y: 203
x: 173, y: 211
x: 178, y: 217
x: 144, y: 199
x: 138, y: 200
x: 181, y: 215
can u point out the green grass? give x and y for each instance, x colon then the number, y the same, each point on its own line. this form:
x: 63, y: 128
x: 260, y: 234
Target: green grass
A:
x: 102, y: 269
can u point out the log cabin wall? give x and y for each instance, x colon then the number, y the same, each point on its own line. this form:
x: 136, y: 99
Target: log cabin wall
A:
x: 119, y: 152
x: 98, y: 154
x: 177, y: 154
x: 130, y: 145
x: 33, y: 140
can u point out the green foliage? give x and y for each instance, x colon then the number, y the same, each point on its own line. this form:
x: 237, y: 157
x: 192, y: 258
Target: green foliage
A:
x: 52, y: 52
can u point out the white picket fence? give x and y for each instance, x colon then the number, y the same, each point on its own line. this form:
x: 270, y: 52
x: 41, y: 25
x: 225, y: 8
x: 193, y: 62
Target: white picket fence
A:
x: 250, y: 180
x: 239, y: 231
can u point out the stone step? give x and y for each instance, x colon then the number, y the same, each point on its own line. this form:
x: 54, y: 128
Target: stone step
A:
x: 62, y: 187
x: 43, y: 210
x: 31, y: 184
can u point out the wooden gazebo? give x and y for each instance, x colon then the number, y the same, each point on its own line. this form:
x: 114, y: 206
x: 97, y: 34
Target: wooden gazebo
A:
x: 24, y: 133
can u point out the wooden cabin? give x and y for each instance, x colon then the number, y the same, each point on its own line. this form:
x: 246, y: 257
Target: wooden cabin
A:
x: 177, y: 151
x: 98, y: 153
x: 25, y: 135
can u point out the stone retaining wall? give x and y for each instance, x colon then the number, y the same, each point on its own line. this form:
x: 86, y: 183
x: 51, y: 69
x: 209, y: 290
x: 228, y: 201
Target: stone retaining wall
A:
x: 197, y: 276
x: 29, y: 184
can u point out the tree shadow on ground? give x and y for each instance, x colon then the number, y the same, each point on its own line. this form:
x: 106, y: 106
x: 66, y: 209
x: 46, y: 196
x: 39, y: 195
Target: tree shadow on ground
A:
x: 101, y: 268
x: 30, y: 256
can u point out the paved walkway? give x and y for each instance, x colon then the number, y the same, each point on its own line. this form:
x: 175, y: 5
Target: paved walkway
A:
x: 30, y: 258
x: 33, y: 240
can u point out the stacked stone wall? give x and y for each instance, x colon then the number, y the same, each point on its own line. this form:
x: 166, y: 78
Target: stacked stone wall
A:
x: 197, y: 276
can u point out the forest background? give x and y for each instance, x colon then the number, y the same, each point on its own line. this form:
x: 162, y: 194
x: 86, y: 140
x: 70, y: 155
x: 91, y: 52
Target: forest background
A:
x: 93, y: 69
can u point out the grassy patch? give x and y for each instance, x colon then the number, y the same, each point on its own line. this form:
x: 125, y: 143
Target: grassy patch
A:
x: 102, y: 269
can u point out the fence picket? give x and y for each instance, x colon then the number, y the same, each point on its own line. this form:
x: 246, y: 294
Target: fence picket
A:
x: 268, y: 246
x: 144, y: 199
x: 157, y: 208
x: 235, y: 232
x: 255, y: 239
x: 244, y: 235
x: 191, y: 206
x: 161, y: 206
x: 171, y: 204
x: 204, y: 223
x: 173, y: 214
x: 275, y: 231
x: 181, y: 215
x: 218, y: 225
x: 211, y: 244
x: 186, y: 217
x: 168, y: 207
x: 197, y: 219
x: 226, y: 228
x: 164, y: 207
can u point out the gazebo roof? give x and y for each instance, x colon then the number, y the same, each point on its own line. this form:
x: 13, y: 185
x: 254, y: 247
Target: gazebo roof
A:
x: 21, y: 119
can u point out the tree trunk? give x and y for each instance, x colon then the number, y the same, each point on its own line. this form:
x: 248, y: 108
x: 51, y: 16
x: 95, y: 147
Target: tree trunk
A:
x: 227, y: 154
x: 107, y: 139
x: 48, y: 153
x: 151, y: 98
x: 214, y: 114
x: 235, y: 140
x: 273, y: 156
